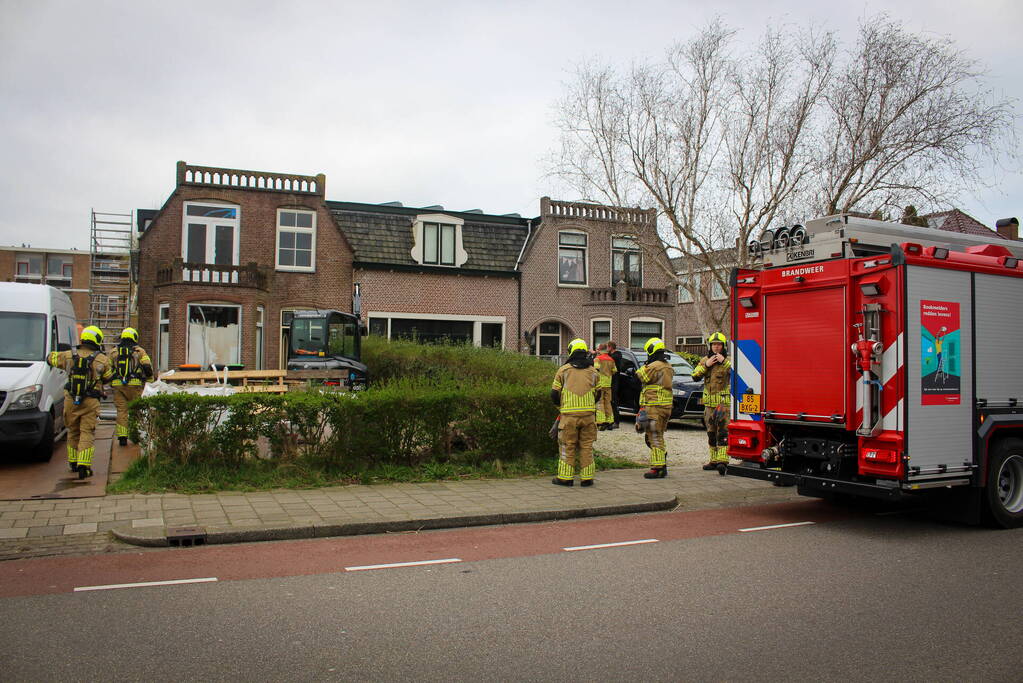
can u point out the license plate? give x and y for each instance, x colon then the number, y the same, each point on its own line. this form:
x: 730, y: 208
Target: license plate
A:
x: 749, y: 403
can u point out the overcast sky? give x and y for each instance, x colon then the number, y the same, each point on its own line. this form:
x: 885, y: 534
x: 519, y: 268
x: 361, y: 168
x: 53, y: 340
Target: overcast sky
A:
x: 425, y: 103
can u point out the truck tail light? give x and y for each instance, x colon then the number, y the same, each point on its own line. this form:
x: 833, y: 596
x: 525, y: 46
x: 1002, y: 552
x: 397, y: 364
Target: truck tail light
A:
x: 880, y: 455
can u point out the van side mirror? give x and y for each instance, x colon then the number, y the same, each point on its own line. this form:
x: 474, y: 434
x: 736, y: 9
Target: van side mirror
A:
x: 63, y: 346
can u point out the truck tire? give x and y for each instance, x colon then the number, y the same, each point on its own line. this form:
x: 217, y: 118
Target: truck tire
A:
x: 43, y: 451
x: 1004, y: 491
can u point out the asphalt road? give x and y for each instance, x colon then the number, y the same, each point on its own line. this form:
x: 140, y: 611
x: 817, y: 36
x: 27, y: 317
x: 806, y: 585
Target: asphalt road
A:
x: 853, y: 596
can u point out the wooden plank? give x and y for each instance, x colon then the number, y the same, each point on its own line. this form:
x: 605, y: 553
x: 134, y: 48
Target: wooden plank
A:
x: 263, y: 389
x: 200, y: 376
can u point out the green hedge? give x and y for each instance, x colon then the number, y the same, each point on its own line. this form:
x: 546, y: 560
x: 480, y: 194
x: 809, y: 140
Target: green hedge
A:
x: 401, y: 423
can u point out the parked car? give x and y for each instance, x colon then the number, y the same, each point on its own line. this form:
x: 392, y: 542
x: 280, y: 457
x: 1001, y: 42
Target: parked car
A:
x: 34, y: 319
x: 687, y: 402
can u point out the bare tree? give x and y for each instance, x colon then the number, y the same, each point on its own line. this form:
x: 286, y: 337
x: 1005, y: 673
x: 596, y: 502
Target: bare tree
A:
x: 907, y: 119
x: 726, y: 142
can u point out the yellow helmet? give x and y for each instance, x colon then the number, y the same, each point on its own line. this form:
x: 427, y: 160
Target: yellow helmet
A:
x: 576, y: 345
x: 130, y: 333
x: 653, y: 345
x: 717, y: 337
x: 92, y: 334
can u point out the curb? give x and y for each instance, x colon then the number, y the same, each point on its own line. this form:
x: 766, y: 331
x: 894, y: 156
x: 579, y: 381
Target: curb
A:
x: 156, y: 537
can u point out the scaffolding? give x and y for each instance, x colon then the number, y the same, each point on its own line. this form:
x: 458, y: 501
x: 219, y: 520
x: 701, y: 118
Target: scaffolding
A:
x: 111, y: 273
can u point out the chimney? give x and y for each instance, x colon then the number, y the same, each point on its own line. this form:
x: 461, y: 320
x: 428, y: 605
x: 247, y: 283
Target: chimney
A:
x: 1008, y: 228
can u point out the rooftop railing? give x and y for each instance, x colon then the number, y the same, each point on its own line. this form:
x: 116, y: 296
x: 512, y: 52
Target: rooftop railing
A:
x: 596, y: 212
x: 209, y: 176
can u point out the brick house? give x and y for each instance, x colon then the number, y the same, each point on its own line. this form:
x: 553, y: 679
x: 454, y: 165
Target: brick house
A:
x: 65, y: 269
x: 231, y: 254
x: 594, y: 272
x: 427, y: 273
x: 226, y: 260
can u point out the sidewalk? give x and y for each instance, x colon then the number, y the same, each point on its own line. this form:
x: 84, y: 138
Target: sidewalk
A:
x: 35, y: 527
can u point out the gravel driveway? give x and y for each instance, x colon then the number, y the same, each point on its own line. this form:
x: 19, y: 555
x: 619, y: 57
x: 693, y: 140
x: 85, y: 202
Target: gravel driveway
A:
x: 686, y: 443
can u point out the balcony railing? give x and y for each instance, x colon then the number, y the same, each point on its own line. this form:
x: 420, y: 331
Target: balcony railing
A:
x: 233, y: 178
x: 184, y: 272
x: 597, y: 212
x: 630, y: 295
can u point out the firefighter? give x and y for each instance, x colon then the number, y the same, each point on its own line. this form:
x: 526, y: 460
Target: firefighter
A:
x: 88, y: 370
x: 574, y: 392
x: 716, y: 371
x: 605, y: 365
x: 655, y: 405
x: 132, y: 368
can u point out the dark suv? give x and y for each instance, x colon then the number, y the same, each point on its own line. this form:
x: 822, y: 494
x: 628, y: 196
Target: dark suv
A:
x: 687, y: 392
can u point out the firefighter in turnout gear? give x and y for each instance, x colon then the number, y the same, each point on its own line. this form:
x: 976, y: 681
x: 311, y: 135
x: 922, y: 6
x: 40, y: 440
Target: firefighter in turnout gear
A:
x: 574, y: 392
x: 605, y: 365
x: 88, y: 370
x: 655, y: 405
x: 716, y: 371
x: 132, y: 368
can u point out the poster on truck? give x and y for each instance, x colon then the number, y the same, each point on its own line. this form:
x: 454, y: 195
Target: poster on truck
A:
x: 940, y: 365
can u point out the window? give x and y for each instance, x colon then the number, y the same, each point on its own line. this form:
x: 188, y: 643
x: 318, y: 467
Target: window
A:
x: 641, y: 330
x: 688, y: 341
x: 626, y: 262
x: 439, y: 244
x: 549, y: 338
x: 259, y: 337
x: 601, y: 332
x: 492, y: 335
x: 572, y: 258
x: 164, y: 340
x: 210, y: 234
x: 214, y: 334
x: 717, y: 292
x: 29, y: 265
x: 685, y: 290
x: 296, y: 240
x: 59, y: 267
x: 24, y: 336
x: 438, y: 241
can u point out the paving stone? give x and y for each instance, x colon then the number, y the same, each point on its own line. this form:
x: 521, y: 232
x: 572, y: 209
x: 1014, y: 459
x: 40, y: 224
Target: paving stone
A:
x: 13, y: 533
x: 147, y: 522
x: 129, y: 515
x: 40, y: 531
x: 85, y: 528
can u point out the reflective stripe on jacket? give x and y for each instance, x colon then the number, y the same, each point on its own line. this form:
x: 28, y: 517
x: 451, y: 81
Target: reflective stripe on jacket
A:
x: 577, y: 387
x: 656, y: 378
x: 717, y: 381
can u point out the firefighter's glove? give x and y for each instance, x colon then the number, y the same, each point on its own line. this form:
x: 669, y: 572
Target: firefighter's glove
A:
x: 642, y: 421
x: 554, y: 428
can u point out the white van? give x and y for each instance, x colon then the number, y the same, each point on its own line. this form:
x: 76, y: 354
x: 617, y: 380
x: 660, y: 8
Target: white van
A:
x: 34, y: 320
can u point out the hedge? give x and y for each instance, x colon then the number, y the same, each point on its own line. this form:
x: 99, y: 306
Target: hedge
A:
x: 403, y: 423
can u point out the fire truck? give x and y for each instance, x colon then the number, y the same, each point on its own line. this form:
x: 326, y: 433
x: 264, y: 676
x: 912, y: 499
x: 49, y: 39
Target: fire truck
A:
x: 881, y: 360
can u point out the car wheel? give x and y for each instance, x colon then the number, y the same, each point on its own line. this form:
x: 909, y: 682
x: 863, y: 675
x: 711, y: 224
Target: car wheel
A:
x: 1004, y: 491
x: 43, y: 451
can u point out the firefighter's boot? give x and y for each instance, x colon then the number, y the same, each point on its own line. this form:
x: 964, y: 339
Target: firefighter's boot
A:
x: 656, y: 472
x: 122, y: 440
x: 72, y: 458
x: 562, y: 482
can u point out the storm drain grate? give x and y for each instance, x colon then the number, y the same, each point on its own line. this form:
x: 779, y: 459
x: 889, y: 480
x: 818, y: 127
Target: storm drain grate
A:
x: 186, y: 536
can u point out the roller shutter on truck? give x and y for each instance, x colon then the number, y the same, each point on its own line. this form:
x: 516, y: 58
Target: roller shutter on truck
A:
x: 806, y: 355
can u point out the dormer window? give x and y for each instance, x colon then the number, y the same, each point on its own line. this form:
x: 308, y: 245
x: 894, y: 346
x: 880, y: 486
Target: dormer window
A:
x: 438, y: 241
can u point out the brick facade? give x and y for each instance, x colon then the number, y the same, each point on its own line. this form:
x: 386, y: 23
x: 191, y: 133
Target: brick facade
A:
x: 78, y: 292
x: 329, y: 286
x: 575, y: 307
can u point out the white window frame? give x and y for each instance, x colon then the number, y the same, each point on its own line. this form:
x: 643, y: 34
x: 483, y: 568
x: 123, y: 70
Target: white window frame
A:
x: 586, y: 259
x: 610, y: 330
x: 418, y: 252
x: 645, y: 319
x: 638, y: 250
x: 163, y: 319
x: 476, y: 320
x: 222, y: 304
x: 311, y: 268
x: 28, y: 266
x: 211, y: 225
x: 260, y: 336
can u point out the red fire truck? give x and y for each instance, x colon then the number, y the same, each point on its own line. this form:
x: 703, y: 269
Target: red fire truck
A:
x: 881, y: 360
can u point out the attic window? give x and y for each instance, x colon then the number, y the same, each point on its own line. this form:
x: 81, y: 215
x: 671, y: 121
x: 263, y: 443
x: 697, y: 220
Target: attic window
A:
x: 438, y: 241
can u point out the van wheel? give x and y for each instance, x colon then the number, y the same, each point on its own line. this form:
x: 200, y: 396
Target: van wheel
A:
x: 1004, y: 492
x: 43, y: 451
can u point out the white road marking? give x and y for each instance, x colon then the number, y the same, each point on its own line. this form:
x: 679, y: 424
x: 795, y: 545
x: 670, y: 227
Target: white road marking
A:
x: 401, y: 564
x: 610, y: 545
x: 80, y: 589
x: 776, y: 526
